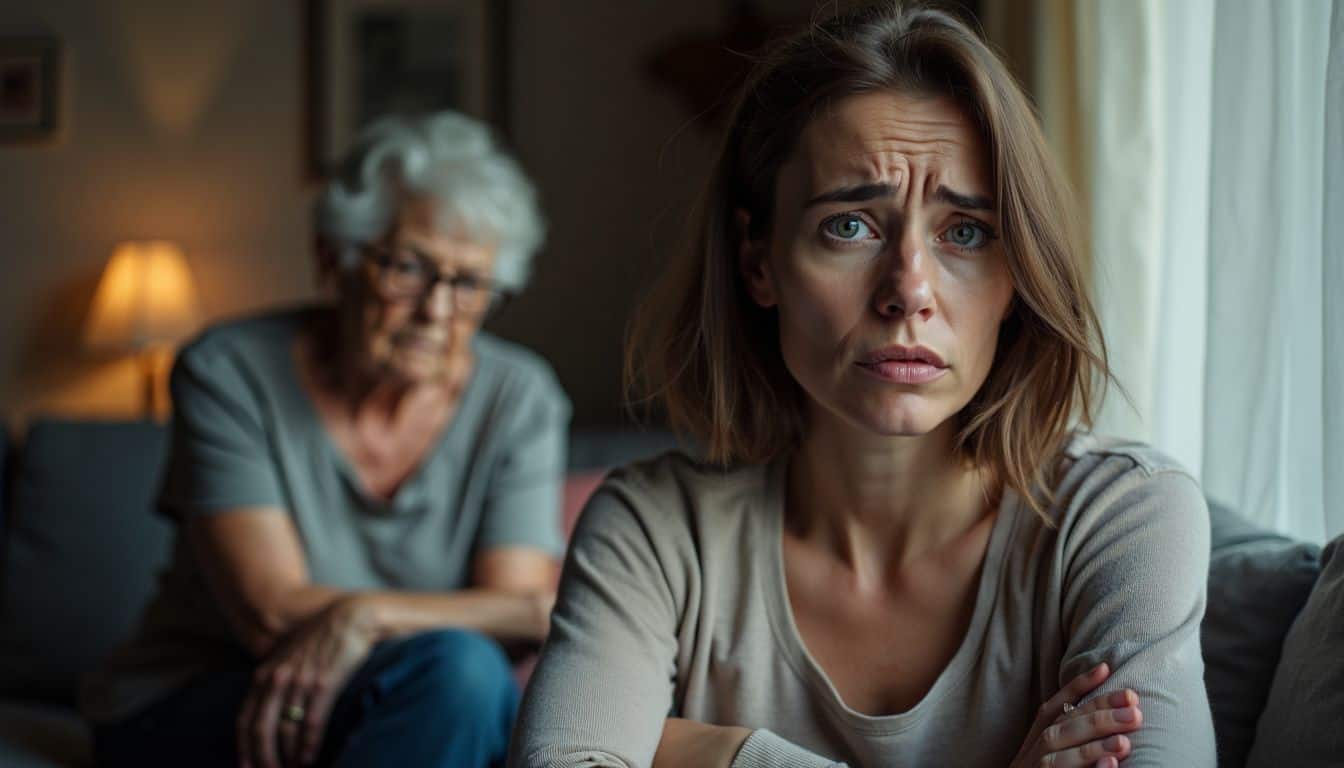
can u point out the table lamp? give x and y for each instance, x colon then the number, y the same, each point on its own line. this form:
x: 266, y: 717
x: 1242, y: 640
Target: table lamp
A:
x: 145, y: 303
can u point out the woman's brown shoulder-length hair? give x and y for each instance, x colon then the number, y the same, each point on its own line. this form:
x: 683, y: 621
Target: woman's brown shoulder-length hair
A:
x: 711, y: 355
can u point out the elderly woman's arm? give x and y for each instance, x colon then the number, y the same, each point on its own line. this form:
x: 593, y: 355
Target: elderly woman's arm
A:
x: 224, y: 485
x: 309, y: 638
x: 511, y: 601
x: 254, y: 564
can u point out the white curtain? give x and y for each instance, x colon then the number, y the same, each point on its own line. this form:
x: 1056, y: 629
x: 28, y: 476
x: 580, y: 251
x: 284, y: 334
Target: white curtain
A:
x: 1207, y: 139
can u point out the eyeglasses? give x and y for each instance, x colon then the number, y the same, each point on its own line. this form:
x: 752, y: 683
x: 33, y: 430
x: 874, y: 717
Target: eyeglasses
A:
x: 403, y: 274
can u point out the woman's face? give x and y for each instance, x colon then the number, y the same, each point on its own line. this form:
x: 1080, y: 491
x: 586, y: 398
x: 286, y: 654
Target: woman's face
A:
x: 885, y: 264
x: 420, y: 339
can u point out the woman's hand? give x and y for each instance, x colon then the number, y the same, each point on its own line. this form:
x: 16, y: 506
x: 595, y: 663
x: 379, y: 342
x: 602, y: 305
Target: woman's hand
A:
x: 1090, y: 735
x: 293, y: 691
x: 686, y: 742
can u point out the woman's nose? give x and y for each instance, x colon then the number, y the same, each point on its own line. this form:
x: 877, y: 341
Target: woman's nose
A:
x: 907, y: 287
x: 437, y: 302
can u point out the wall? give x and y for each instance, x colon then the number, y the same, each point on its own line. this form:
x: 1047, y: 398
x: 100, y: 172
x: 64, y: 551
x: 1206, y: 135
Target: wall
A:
x: 178, y: 122
x: 616, y: 172
x: 184, y: 121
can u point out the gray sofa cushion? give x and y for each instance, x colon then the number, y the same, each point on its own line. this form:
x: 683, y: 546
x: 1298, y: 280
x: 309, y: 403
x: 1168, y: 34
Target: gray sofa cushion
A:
x: 81, y: 551
x: 1258, y: 581
x: 1301, y: 725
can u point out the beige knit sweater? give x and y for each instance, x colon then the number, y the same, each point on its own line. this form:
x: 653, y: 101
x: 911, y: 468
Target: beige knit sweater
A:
x: 673, y: 602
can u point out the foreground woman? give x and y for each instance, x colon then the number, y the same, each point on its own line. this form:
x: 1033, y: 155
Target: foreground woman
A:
x: 366, y: 491
x: 905, y: 555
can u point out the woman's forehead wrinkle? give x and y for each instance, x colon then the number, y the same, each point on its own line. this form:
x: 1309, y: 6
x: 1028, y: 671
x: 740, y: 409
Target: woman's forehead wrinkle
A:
x: 915, y: 146
x: 885, y: 148
x: 920, y: 154
x: 888, y: 168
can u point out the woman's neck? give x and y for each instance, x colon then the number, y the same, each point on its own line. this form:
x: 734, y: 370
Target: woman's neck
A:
x: 877, y: 503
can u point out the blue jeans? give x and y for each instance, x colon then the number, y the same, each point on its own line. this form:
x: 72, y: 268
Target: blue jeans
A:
x: 436, y: 699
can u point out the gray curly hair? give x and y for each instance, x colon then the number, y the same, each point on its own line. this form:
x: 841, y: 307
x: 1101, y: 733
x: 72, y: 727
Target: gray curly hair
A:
x: 449, y: 158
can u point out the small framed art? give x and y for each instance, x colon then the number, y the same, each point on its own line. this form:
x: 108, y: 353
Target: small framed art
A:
x: 369, y: 58
x: 29, y: 88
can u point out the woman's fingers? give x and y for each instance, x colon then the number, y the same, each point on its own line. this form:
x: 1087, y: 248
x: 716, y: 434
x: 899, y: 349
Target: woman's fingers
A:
x: 319, y: 710
x: 290, y: 729
x: 1083, y: 684
x: 1072, y: 692
x: 1091, y: 728
x: 273, y: 681
x: 1090, y: 734
x: 246, y: 715
x: 1092, y: 753
x: 1112, y: 700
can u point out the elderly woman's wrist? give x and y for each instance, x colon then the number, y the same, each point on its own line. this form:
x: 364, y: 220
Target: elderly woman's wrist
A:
x: 539, y: 604
x: 362, y: 613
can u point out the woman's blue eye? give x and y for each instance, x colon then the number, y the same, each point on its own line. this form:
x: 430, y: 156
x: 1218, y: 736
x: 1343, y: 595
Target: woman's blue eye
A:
x: 408, y: 267
x: 468, y: 282
x: 966, y: 235
x: 846, y: 227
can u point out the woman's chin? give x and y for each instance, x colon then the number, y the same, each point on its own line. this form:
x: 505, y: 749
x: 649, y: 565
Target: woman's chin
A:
x: 901, y: 421
x: 416, y: 369
x: 904, y: 415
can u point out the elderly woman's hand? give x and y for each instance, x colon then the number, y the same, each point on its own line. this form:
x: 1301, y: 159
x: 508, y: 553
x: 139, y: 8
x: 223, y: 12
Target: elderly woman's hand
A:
x: 285, y: 714
x: 1089, y: 735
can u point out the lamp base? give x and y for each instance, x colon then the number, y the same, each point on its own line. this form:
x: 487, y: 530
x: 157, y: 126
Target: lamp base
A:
x: 151, y: 362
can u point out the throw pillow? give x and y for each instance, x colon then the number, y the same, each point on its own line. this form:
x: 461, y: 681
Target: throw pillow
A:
x: 1301, y: 724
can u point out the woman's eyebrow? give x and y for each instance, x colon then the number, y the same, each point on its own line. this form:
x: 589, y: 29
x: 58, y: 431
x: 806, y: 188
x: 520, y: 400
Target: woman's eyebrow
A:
x: 419, y: 252
x: 856, y: 194
x: 962, y: 200
x: 861, y: 193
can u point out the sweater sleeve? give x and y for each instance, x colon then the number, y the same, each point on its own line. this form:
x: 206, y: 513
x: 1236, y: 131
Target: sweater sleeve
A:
x: 765, y: 749
x: 603, y: 687
x: 1135, y: 569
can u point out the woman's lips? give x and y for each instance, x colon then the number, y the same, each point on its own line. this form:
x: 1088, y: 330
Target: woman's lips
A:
x: 904, y: 371
x: 422, y: 346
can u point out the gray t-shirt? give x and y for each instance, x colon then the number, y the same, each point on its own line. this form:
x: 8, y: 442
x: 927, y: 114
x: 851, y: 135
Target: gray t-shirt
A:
x: 673, y: 602
x: 245, y: 434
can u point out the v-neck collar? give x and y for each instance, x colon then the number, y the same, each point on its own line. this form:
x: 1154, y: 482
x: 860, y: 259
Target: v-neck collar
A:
x: 790, y: 643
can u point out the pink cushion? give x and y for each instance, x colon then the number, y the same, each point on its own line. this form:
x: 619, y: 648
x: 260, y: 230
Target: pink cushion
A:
x: 579, y: 487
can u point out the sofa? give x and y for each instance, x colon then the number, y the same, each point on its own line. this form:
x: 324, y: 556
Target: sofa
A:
x: 80, y: 550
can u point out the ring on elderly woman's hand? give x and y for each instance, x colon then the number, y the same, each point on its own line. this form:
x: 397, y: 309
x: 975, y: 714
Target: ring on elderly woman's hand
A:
x: 295, y: 713
x: 1067, y: 707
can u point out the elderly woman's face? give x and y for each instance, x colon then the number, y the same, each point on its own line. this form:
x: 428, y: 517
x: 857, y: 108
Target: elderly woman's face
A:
x: 420, y: 339
x: 885, y: 263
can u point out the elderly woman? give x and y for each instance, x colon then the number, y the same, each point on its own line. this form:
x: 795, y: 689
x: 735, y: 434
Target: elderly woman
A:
x: 902, y: 553
x: 366, y: 492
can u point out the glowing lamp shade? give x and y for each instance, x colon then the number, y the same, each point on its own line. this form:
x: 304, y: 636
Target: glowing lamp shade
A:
x: 145, y: 298
x: 145, y: 303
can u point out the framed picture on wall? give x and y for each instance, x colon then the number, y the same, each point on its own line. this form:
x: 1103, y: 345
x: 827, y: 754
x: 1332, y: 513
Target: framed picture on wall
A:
x: 29, y: 92
x: 370, y: 58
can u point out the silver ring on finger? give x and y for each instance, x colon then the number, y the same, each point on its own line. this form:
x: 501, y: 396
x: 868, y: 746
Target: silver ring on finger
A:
x: 1069, y: 707
x: 294, y: 713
